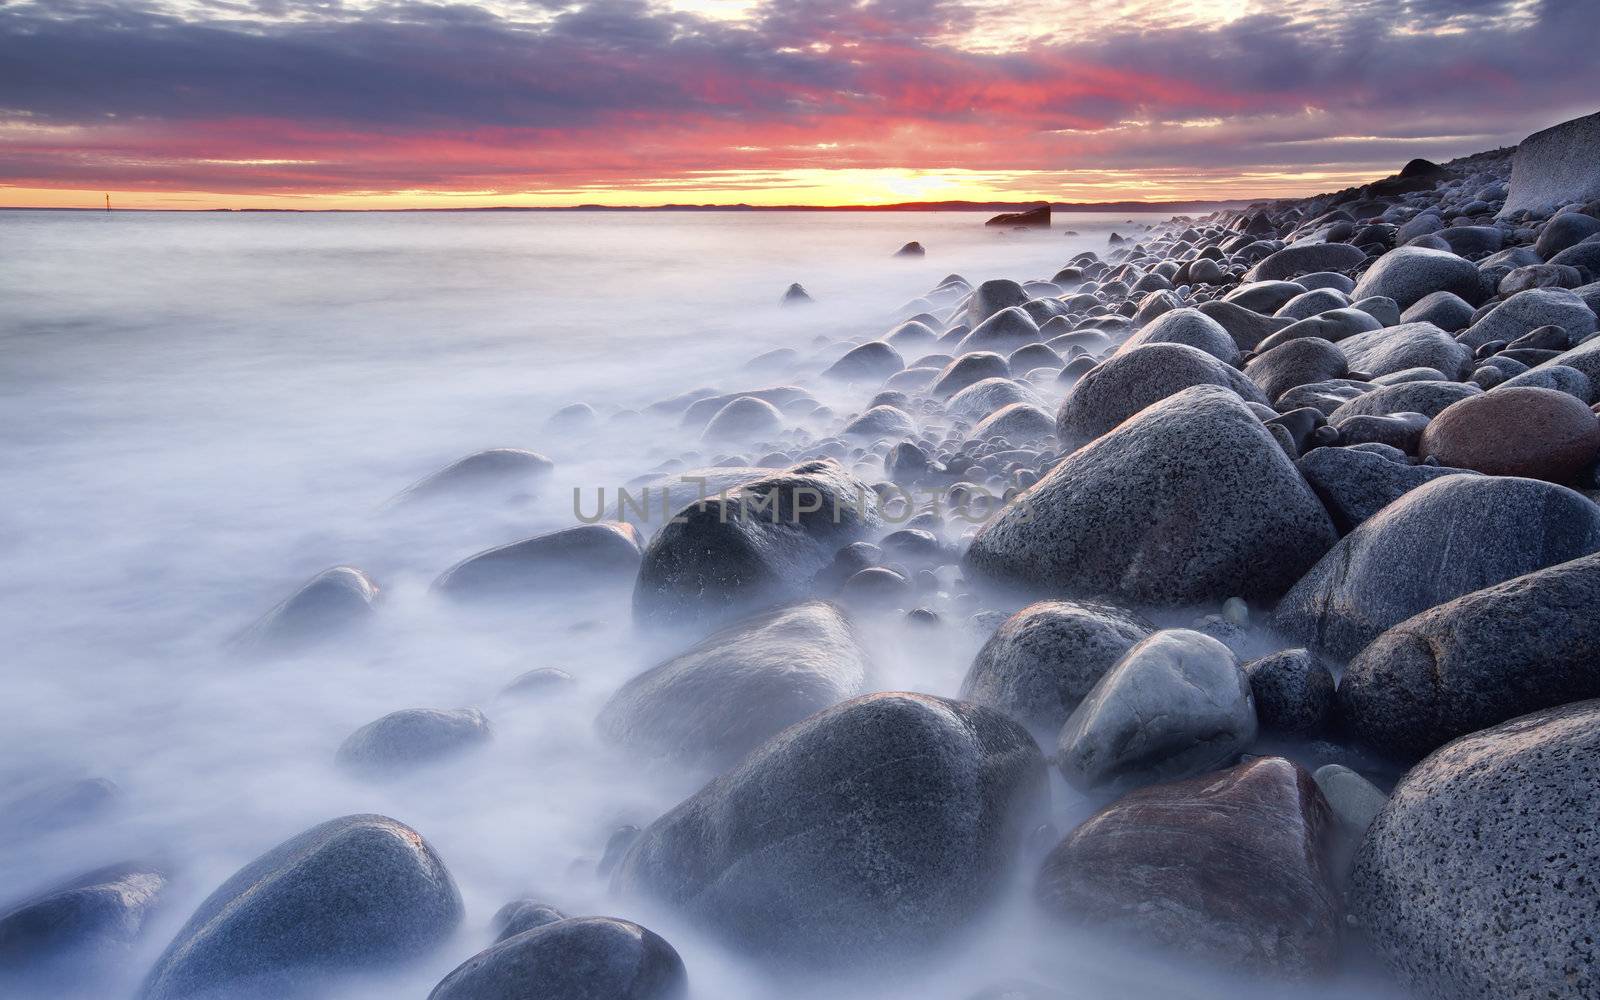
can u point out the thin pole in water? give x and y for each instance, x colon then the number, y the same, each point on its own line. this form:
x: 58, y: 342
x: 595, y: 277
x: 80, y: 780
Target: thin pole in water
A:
x: 108, y: 202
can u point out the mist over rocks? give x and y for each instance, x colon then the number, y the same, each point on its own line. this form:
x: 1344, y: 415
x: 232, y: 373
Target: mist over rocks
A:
x: 576, y: 958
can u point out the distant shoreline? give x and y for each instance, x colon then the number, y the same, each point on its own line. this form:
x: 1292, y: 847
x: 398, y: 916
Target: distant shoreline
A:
x: 1174, y: 207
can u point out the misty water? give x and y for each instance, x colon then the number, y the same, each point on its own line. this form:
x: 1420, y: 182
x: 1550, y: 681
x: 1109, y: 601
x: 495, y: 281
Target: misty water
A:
x: 203, y: 410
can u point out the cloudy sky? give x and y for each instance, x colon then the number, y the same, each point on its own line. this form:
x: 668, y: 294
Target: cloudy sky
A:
x: 373, y: 103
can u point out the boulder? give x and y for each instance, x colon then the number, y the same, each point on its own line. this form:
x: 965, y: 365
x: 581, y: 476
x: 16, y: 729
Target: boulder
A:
x: 1516, y: 647
x: 1445, y: 310
x: 1187, y: 326
x: 412, y: 737
x: 579, y: 958
x: 1247, y: 328
x: 353, y: 894
x: 1410, y: 345
x: 870, y: 362
x: 335, y: 603
x: 1043, y: 660
x: 1131, y: 380
x: 606, y: 554
x: 869, y: 832
x: 881, y: 422
x: 1032, y: 218
x: 1516, y: 431
x: 1304, y: 258
x: 1555, y: 167
x: 1190, y: 500
x: 1004, y: 332
x: 991, y: 297
x: 1333, y: 326
x: 1265, y: 297
x: 499, y: 472
x: 1529, y: 310
x: 1296, y: 363
x: 1293, y: 692
x: 1565, y: 230
x: 744, y: 419
x: 83, y: 918
x: 1439, y: 541
x: 1354, y: 484
x: 980, y: 399
x: 1229, y: 868
x: 1477, y: 879
x: 523, y: 915
x: 968, y: 370
x: 1427, y: 398
x: 1406, y: 274
x: 731, y: 691
x: 754, y: 546
x: 1017, y: 423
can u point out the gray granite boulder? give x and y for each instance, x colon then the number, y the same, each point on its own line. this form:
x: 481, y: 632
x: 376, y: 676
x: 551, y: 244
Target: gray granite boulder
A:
x: 1293, y: 692
x: 353, y: 894
x: 334, y: 604
x: 412, y: 737
x: 84, y: 918
x: 881, y: 422
x: 580, y: 958
x: 1229, y: 868
x: 1265, y: 297
x: 1304, y: 258
x: 1410, y: 345
x: 1477, y: 879
x: 969, y: 369
x: 1439, y: 541
x: 498, y: 472
x: 1187, y: 326
x: 755, y: 546
x: 1296, y: 363
x: 1043, y: 660
x: 1445, y: 310
x: 870, y: 362
x: 1555, y: 167
x: 1406, y: 274
x: 1426, y: 398
x: 1129, y: 381
x: 719, y: 699
x: 1004, y: 332
x: 1017, y: 423
x: 1248, y: 328
x: 894, y: 816
x: 1529, y: 310
x: 1355, y: 484
x: 744, y: 419
x: 588, y: 555
x: 980, y: 399
x: 1485, y: 657
x: 1176, y: 705
x: 1189, y: 500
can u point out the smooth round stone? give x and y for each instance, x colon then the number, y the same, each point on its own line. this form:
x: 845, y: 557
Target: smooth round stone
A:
x: 581, y: 958
x: 745, y: 417
x: 872, y: 360
x: 1293, y: 691
x: 522, y: 915
x: 1406, y: 274
x: 412, y: 737
x: 1518, y: 431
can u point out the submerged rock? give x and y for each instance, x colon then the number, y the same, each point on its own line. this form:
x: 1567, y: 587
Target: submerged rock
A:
x: 412, y: 737
x: 580, y: 958
x: 1477, y: 879
x: 733, y: 690
x: 500, y: 471
x: 589, y: 555
x: 81, y: 918
x: 1230, y: 868
x: 895, y: 815
x: 355, y: 893
x: 755, y: 546
x: 335, y: 603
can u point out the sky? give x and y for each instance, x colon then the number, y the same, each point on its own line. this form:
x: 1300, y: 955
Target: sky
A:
x: 402, y: 103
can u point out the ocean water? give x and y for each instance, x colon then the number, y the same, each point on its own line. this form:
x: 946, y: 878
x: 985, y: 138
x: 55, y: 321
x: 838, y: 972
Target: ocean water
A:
x: 203, y: 410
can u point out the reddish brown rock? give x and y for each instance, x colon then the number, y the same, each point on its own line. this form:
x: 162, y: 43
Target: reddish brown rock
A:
x: 1230, y: 867
x: 1520, y: 431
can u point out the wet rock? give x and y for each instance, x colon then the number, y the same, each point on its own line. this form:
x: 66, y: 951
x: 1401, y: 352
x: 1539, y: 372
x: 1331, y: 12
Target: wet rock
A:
x: 579, y: 958
x: 881, y: 422
x: 1033, y: 218
x: 335, y: 603
x: 1132, y: 380
x: 912, y: 249
x: 1046, y: 658
x: 1488, y: 656
x: 871, y: 362
x: 897, y: 815
x: 967, y: 370
x: 1190, y: 500
x: 1354, y: 484
x: 1004, y: 332
x: 991, y: 297
x: 404, y: 740
x: 1445, y: 310
x: 355, y: 893
x: 1354, y: 801
x: 981, y: 399
x: 1516, y: 431
x: 1265, y: 297
x: 589, y: 555
x: 1334, y: 326
x: 1397, y: 430
x: 82, y: 918
x: 744, y: 419
x: 1443, y: 539
x: 1018, y: 422
x: 502, y: 472
x: 1477, y: 879
x: 1565, y: 230
x: 755, y: 546
x: 733, y: 690
x: 1406, y: 274
x: 1293, y: 692
x: 1229, y: 868
x: 1177, y: 704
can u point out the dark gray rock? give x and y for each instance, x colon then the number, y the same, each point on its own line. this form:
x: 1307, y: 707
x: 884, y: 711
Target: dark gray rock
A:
x: 1565, y: 230
x: 1426, y: 398
x: 896, y: 815
x: 1004, y: 332
x: 1406, y: 274
x: 1354, y: 484
x: 967, y: 370
x: 1187, y: 326
x: 1445, y: 310
x: 1017, y: 423
x: 1247, y: 328
x: 731, y: 691
x: 993, y: 296
x: 1529, y: 310
x: 1131, y: 380
x: 980, y: 399
x: 1397, y: 430
x: 1354, y: 801
x: 756, y: 546
x: 1557, y: 377
x: 1477, y: 879
x: 1265, y: 297
x: 355, y: 893
x: 81, y: 919
x: 744, y: 419
x: 1296, y: 363
x: 1436, y: 543
x: 412, y: 737
x: 580, y: 958
x: 1334, y: 325
x: 1324, y: 397
x: 1190, y: 500
x: 870, y: 362
x: 1410, y: 345
x: 1229, y: 868
x: 1293, y: 261
x: 1043, y: 660
x: 1293, y: 692
x: 1491, y: 655
x: 522, y: 915
x: 1555, y: 167
x: 589, y: 555
x: 1312, y: 303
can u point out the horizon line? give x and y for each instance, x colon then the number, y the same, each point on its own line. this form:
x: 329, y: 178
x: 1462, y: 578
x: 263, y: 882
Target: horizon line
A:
x: 905, y: 206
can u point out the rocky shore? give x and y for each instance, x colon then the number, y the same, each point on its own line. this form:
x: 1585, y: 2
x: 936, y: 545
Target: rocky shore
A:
x: 1279, y: 531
